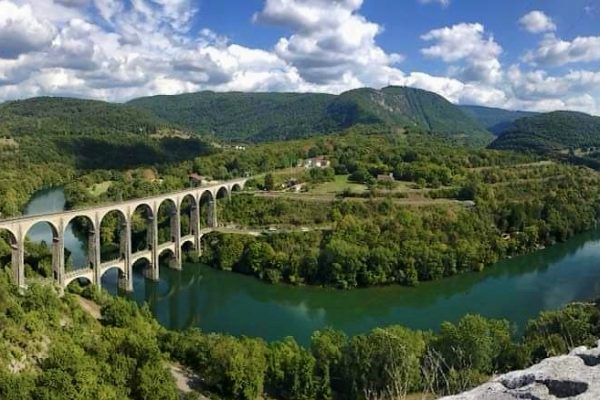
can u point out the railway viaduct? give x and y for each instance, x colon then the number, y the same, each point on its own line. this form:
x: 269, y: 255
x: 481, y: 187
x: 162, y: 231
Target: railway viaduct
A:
x: 17, y: 229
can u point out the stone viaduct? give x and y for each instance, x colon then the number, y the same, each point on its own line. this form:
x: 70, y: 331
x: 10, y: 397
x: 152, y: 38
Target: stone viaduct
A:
x: 18, y: 228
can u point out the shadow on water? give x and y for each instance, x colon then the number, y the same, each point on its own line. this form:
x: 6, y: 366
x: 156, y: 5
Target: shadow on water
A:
x: 516, y: 289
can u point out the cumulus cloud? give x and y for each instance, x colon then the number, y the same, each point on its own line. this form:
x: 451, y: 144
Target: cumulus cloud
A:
x: 119, y: 49
x: 20, y: 31
x: 553, y: 51
x: 537, y: 22
x: 331, y: 40
x: 468, y: 45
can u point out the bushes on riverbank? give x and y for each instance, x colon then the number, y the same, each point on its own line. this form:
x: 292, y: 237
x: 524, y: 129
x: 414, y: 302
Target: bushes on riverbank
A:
x: 50, y: 348
x: 379, y: 242
x: 385, y: 363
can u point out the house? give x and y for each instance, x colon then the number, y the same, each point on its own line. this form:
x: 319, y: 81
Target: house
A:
x: 197, y: 180
x: 386, y: 178
x: 316, y: 162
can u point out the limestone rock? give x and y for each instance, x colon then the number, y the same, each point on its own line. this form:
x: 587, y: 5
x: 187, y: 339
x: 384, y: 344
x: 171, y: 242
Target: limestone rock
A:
x: 574, y: 376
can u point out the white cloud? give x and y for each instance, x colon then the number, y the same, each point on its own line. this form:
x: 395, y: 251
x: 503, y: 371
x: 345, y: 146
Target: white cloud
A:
x: 443, y: 3
x: 116, y: 50
x: 537, y: 22
x: 553, y: 51
x: 330, y: 41
x: 468, y: 44
x: 20, y: 31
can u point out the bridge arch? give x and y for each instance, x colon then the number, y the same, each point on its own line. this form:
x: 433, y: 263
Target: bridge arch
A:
x: 29, y: 229
x: 207, y: 209
x: 43, y: 233
x: 70, y: 279
x: 137, y: 258
x: 10, y: 239
x: 112, y: 227
x: 142, y: 227
x: 222, y: 193
x: 83, y: 228
x: 237, y: 187
x: 188, y: 241
x: 167, y: 213
x: 167, y: 255
x: 188, y: 215
x: 112, y: 267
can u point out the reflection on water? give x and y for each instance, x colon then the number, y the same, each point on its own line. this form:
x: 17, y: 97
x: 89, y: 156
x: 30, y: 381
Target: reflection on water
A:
x: 516, y: 289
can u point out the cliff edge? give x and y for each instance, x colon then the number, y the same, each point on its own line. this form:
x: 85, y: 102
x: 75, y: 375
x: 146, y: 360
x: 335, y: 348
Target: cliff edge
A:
x: 573, y: 376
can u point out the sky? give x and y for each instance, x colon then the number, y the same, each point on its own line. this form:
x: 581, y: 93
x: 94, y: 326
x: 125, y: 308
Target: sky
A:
x: 538, y: 55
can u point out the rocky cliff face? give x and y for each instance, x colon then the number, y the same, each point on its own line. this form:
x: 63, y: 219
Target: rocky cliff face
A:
x: 574, y: 376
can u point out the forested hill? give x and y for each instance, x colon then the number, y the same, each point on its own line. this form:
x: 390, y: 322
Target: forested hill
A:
x: 245, y: 116
x: 495, y: 120
x: 266, y: 116
x: 58, y: 115
x: 551, y: 132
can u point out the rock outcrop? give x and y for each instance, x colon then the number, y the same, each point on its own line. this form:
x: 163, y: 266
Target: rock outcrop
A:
x: 573, y: 376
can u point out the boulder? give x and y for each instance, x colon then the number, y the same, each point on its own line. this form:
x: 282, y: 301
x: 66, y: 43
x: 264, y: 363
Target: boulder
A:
x: 573, y: 376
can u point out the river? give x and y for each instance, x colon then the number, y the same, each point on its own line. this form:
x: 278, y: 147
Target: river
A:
x: 217, y: 301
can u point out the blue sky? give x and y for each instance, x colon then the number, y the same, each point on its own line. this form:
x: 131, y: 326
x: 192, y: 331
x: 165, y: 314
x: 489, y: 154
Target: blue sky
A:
x: 519, y: 54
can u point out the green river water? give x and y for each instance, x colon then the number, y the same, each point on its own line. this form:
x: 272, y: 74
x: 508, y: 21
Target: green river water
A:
x: 217, y: 301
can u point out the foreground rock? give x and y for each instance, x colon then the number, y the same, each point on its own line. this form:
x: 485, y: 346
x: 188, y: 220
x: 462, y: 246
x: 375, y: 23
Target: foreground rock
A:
x: 574, y: 376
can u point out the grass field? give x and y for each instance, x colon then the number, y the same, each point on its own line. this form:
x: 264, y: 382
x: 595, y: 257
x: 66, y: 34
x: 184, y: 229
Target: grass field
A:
x: 338, y: 185
x: 100, y: 188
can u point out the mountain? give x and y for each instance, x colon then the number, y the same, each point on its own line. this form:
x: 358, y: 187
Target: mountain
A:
x: 244, y: 116
x: 495, y: 120
x: 93, y: 134
x: 59, y: 115
x: 266, y: 116
x: 551, y: 132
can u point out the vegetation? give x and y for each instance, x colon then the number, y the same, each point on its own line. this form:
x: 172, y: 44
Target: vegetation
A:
x: 501, y: 205
x: 50, y: 141
x: 551, y: 132
x: 56, y: 115
x: 52, y: 349
x: 495, y: 120
x: 497, y: 204
x: 267, y: 116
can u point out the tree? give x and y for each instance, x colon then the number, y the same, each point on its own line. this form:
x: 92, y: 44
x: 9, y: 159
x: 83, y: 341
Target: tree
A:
x: 291, y: 370
x: 269, y: 182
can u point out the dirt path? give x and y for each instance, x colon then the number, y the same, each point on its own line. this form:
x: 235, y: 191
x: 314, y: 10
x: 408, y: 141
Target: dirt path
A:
x: 186, y: 380
x: 90, y: 307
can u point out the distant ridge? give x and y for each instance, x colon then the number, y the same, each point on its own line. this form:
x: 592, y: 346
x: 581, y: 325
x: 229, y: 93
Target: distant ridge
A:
x: 495, y: 120
x: 63, y: 115
x: 268, y: 116
x: 551, y: 132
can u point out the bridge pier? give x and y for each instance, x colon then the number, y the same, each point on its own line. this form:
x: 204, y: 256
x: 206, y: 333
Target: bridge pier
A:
x: 176, y: 238
x: 18, y: 261
x: 154, y: 271
x: 94, y: 255
x: 195, y: 226
x: 212, y: 213
x: 126, y: 283
x: 58, y: 258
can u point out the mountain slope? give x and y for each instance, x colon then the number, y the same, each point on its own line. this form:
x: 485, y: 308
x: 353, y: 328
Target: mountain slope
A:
x: 244, y: 116
x: 59, y: 115
x: 90, y: 134
x: 495, y: 120
x: 551, y: 132
x: 265, y: 116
